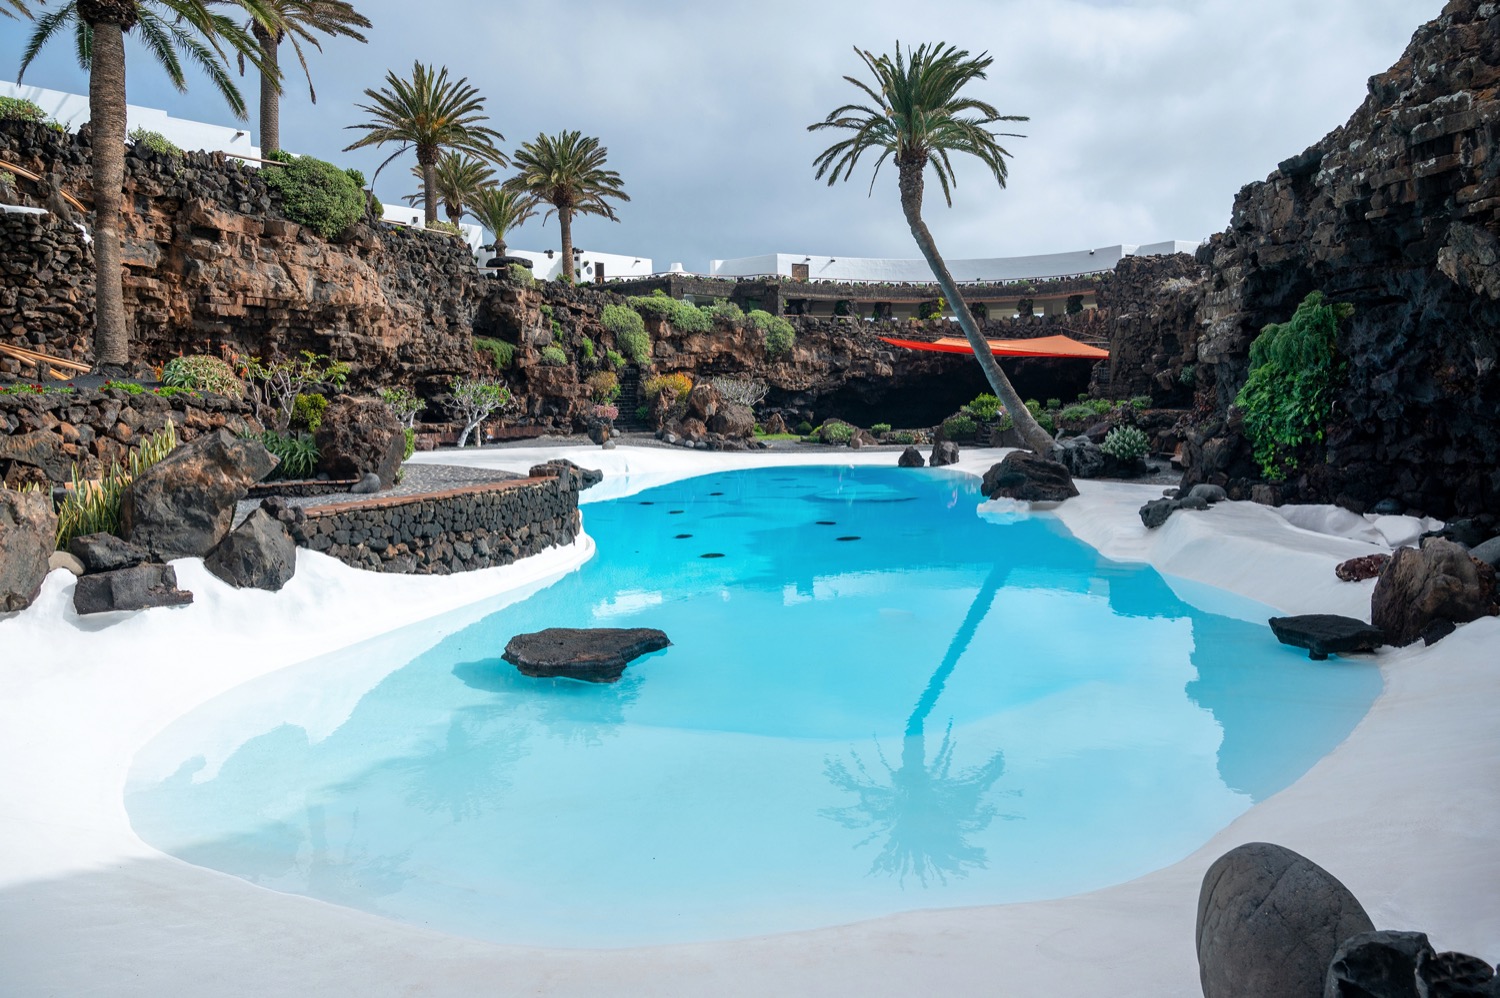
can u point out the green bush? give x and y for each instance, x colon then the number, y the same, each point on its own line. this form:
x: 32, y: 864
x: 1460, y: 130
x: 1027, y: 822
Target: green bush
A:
x: 1042, y: 417
x: 603, y: 387
x: 298, y: 453
x: 804, y: 428
x: 1101, y: 407
x: 836, y: 433
x: 308, y: 409
x: 684, y: 316
x: 202, y: 373
x: 1141, y: 402
x: 553, y: 356
x: 780, y: 335
x: 984, y: 406
x: 906, y: 437
x: 521, y: 275
x: 1125, y: 443
x: 438, y: 225
x: 880, y: 429
x: 1075, y: 413
x: 1054, y: 404
x: 726, y: 312
x: 959, y: 427
x: 156, y: 142
x: 20, y: 109
x: 411, y: 443
x: 614, y: 360
x: 675, y: 385
x: 317, y: 194
x: 587, y: 349
x: 1295, y: 370
x: 630, y: 332
x: 1188, y: 376
x: 499, y: 351
x: 94, y: 507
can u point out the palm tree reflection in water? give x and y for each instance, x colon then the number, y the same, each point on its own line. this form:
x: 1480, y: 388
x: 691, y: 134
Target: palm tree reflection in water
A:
x: 925, y: 810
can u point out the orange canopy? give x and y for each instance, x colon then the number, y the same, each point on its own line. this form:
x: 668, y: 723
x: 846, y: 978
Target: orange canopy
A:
x: 1041, y: 346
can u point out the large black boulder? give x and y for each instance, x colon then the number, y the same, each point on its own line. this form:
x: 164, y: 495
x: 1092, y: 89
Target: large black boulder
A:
x: 358, y: 437
x: 1026, y: 476
x: 28, y: 531
x: 1403, y: 965
x: 139, y: 587
x: 258, y: 554
x: 106, y: 552
x: 593, y: 654
x: 1437, y: 583
x: 1324, y: 634
x: 183, y: 506
x: 944, y: 452
x: 1081, y: 456
x: 911, y: 458
x: 1270, y: 922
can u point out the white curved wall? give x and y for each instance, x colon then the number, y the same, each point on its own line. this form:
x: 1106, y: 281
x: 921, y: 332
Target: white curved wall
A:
x: 990, y: 269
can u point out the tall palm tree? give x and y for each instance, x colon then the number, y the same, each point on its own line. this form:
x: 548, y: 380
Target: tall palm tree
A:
x: 170, y: 31
x: 567, y: 171
x: 295, y: 21
x: 458, y: 179
x: 500, y: 210
x: 433, y: 114
x: 917, y: 115
x: 15, y: 5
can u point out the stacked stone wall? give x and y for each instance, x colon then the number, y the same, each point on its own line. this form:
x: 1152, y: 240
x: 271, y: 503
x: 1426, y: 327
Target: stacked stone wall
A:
x: 46, y: 289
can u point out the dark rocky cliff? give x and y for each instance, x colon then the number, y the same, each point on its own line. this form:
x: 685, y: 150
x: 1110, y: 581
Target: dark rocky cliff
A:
x: 1397, y: 212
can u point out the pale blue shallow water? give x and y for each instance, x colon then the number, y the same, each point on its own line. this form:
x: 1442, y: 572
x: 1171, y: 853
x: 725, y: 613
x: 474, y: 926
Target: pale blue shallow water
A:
x: 876, y: 700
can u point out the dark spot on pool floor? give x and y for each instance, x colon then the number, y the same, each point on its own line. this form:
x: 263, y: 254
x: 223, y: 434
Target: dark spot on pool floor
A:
x: 674, y: 512
x: 826, y: 523
x: 681, y: 537
x: 711, y: 554
x: 852, y: 537
x: 716, y: 493
x: 647, y: 502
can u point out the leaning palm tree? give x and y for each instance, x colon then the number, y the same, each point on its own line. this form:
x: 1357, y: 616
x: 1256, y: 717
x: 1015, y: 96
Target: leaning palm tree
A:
x: 917, y: 115
x: 171, y: 30
x: 458, y: 179
x: 433, y: 114
x: 295, y: 21
x: 567, y: 172
x: 500, y: 210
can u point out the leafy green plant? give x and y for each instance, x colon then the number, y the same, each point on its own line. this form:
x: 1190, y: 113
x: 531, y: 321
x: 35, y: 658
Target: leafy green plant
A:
x: 308, y: 409
x: 298, y: 453
x: 880, y: 429
x: 1101, y: 407
x: 475, y: 400
x: 499, y: 351
x: 630, y: 332
x: 20, y: 109
x: 1054, y: 404
x: 411, y: 443
x: 985, y: 406
x: 156, y: 142
x: 683, y: 316
x: 94, y: 507
x: 278, y: 385
x: 1188, y: 376
x: 804, y: 428
x: 1141, y: 402
x: 905, y: 437
x: 450, y: 228
x: 614, y: 360
x: 128, y: 387
x: 1295, y: 370
x: 676, y: 386
x: 959, y: 427
x: 404, y: 404
x: 604, y: 387
x: 203, y: 373
x: 521, y: 275
x: 587, y: 348
x: 836, y: 433
x: 726, y: 312
x: 1125, y: 443
x: 1075, y: 413
x: 317, y: 194
x: 1042, y: 417
x: 553, y: 356
x: 780, y: 335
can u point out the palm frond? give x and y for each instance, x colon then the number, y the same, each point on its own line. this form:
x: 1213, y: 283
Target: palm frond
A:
x: 48, y: 25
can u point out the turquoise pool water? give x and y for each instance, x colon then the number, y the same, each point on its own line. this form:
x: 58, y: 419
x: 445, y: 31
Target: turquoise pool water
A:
x: 879, y: 697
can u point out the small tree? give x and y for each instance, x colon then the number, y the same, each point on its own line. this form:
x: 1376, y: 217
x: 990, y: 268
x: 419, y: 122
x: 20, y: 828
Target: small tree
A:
x: 474, y: 400
x: 278, y: 385
x: 404, y: 404
x: 747, y: 392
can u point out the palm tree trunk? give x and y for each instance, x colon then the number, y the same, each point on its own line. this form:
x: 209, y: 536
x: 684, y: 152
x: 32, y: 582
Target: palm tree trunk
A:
x: 1036, y: 438
x: 565, y: 222
x: 107, y: 125
x: 427, y: 157
x: 270, y: 92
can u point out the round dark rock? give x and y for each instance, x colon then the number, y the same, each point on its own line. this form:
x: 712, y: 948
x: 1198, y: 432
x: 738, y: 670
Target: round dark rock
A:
x: 1023, y: 475
x: 1270, y: 922
x: 592, y: 654
x: 945, y: 452
x: 911, y: 458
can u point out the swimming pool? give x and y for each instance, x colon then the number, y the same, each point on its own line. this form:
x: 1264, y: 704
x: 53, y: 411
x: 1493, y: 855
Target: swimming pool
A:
x: 880, y: 696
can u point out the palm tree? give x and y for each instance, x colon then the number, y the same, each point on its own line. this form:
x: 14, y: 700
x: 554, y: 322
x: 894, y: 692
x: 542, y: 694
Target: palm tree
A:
x: 917, y: 116
x: 432, y: 114
x: 170, y: 30
x: 459, y: 178
x: 17, y: 5
x: 567, y: 172
x: 500, y: 210
x: 292, y: 20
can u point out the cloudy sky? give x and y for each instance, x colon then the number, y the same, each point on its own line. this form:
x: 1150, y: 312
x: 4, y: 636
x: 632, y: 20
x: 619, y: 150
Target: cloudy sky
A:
x: 1146, y: 115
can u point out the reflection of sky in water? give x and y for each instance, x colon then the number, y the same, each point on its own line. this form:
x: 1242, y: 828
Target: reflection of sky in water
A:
x: 948, y: 711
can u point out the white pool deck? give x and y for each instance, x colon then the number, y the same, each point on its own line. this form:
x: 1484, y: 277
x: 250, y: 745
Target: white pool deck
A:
x: 1406, y: 811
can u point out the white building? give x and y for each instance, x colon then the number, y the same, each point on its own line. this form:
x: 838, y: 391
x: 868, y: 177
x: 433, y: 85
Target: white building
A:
x: 589, y: 266
x: 798, y: 266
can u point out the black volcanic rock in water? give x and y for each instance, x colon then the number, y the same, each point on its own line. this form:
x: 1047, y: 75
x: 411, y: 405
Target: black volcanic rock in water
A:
x: 592, y: 654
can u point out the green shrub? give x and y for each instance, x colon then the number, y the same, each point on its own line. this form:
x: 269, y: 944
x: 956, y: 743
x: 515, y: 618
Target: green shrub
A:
x: 1188, y: 376
x: 521, y: 275
x: 1125, y: 443
x: 959, y: 427
x: 880, y: 429
x: 1295, y: 370
x: 1042, y: 417
x: 587, y: 349
x: 614, y: 360
x: 1141, y: 402
x: 780, y: 335
x: 1075, y: 413
x: 403, y: 403
x: 355, y: 175
x: 984, y: 406
x: 684, y: 316
x: 317, y: 194
x: 308, y: 409
x: 94, y: 507
x: 1101, y: 407
x: 1054, y: 404
x: 1083, y: 398
x: 298, y: 453
x: 603, y: 387
x: 279, y: 156
x: 499, y: 351
x: 156, y: 142
x: 726, y: 312
x: 553, y: 356
x: 804, y: 428
x: 836, y: 433
x: 675, y: 385
x: 906, y: 437
x: 411, y: 443
x: 438, y: 225
x: 643, y: 412
x: 20, y: 109
x: 202, y: 373
x: 630, y: 332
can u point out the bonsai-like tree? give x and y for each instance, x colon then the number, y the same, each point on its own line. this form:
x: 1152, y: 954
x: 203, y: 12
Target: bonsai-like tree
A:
x: 295, y: 21
x: 171, y: 30
x: 475, y: 399
x: 567, y: 171
x: 431, y: 113
x: 500, y: 210
x: 458, y: 179
x: 917, y: 116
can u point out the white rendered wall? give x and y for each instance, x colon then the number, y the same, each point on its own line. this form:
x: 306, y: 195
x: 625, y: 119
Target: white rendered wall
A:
x: 73, y: 110
x: 401, y: 214
x: 991, y: 269
x: 615, y: 265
